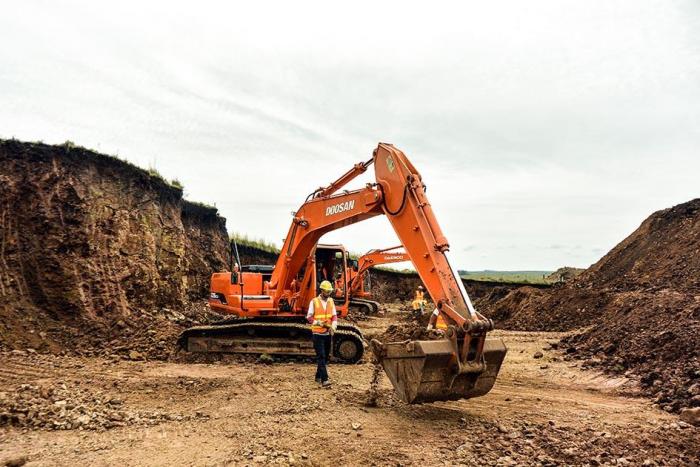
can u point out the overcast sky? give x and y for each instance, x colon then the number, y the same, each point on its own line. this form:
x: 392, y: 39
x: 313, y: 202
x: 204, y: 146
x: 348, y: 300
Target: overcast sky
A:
x: 546, y: 131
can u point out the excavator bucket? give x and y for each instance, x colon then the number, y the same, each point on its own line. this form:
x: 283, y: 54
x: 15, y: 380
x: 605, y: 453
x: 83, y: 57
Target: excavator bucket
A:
x: 426, y: 371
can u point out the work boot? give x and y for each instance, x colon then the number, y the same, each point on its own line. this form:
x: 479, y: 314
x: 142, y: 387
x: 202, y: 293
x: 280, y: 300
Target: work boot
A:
x: 318, y: 380
x: 326, y: 383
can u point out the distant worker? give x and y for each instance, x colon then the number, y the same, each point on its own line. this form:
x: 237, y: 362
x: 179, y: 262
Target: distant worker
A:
x: 324, y: 320
x: 419, y: 301
x: 437, y: 322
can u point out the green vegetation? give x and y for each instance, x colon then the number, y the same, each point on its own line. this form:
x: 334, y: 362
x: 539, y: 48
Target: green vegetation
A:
x: 259, y: 243
x: 202, y: 205
x: 395, y: 270
x: 152, y: 171
x: 525, y: 277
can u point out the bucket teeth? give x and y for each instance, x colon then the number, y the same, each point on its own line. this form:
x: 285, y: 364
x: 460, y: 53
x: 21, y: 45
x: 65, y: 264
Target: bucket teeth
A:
x: 426, y: 371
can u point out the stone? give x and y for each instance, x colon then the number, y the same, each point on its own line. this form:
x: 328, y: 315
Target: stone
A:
x: 691, y: 416
x: 538, y: 354
x: 266, y: 359
x: 16, y: 461
x: 356, y: 426
x: 83, y: 419
x: 694, y: 390
x: 135, y: 355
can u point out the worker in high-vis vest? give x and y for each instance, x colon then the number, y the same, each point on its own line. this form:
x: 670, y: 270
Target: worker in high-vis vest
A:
x: 436, y: 320
x: 324, y: 320
x: 419, y: 300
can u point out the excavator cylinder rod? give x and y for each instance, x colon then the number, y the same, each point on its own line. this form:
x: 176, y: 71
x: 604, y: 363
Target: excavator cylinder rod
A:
x: 427, y: 371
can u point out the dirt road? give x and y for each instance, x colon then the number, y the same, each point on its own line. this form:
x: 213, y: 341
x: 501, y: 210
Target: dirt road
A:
x: 542, y: 411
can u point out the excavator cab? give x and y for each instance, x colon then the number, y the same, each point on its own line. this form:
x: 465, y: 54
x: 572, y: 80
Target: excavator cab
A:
x: 331, y: 267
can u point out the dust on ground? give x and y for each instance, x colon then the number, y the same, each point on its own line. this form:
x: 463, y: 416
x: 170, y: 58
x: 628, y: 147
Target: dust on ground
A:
x: 542, y: 410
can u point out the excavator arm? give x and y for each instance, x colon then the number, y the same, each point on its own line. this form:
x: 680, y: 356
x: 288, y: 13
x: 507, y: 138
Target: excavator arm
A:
x: 375, y: 258
x: 460, y: 366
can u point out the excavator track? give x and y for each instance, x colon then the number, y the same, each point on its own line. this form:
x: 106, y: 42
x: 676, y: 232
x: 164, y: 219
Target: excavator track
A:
x: 274, y: 337
x: 368, y: 306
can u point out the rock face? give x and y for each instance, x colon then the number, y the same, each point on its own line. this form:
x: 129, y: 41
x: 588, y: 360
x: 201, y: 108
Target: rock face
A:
x: 640, y: 305
x: 86, y: 237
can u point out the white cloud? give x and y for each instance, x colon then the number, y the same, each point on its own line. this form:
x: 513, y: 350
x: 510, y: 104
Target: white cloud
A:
x: 553, y: 122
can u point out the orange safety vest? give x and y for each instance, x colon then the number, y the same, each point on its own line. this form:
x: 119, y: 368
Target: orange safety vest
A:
x: 325, y: 315
x: 419, y: 300
x: 440, y: 322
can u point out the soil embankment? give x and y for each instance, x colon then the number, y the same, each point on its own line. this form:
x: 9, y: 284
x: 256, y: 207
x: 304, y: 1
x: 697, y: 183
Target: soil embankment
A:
x: 95, y: 253
x: 638, y: 308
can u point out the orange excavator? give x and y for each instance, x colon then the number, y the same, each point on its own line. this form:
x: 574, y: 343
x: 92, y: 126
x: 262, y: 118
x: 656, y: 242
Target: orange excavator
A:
x: 270, y: 303
x: 358, y: 274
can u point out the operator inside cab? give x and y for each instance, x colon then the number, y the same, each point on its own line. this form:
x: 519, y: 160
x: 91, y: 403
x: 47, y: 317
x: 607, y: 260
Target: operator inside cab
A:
x: 323, y: 318
x: 339, y: 289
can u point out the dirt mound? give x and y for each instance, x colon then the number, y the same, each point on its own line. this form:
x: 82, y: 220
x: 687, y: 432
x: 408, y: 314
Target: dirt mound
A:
x: 404, y: 331
x: 410, y: 329
x: 94, y: 251
x: 639, y: 305
x: 663, y: 253
x: 653, y: 335
x: 564, y: 274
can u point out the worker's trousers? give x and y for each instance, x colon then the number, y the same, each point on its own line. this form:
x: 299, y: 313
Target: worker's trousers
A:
x: 322, y: 346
